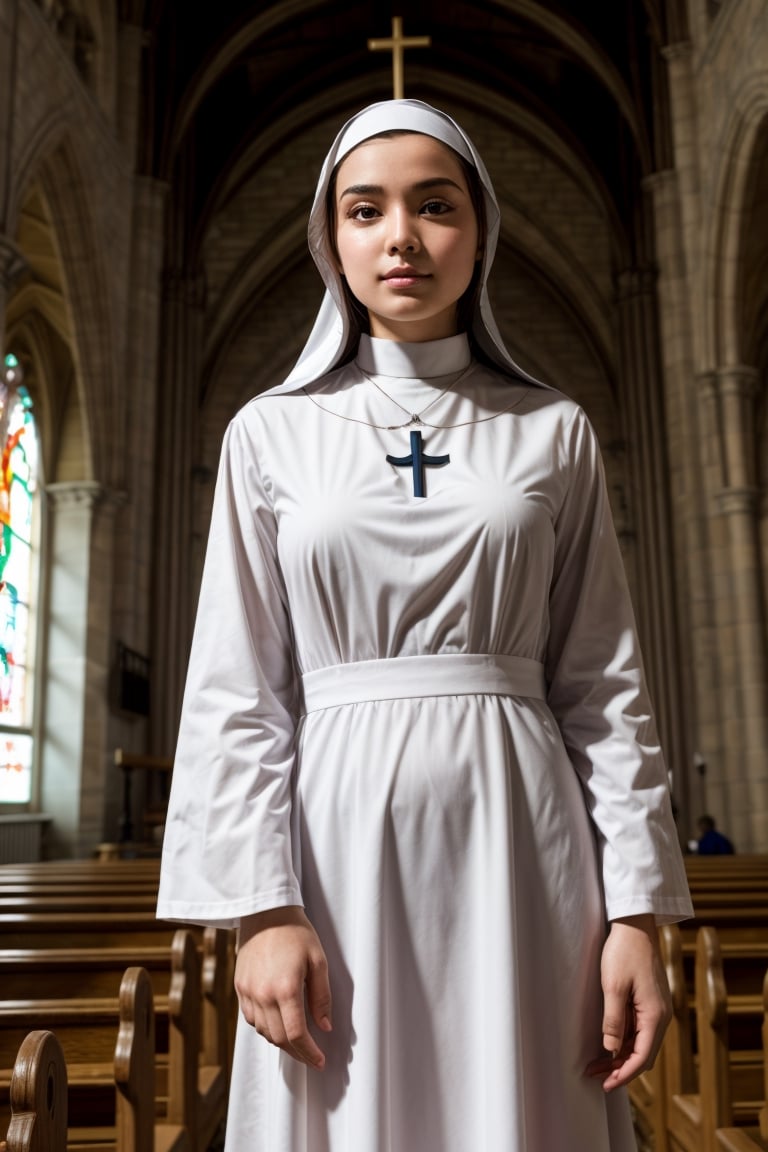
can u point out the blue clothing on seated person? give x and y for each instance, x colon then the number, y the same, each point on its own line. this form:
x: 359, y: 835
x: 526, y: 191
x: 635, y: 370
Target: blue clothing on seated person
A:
x: 713, y: 843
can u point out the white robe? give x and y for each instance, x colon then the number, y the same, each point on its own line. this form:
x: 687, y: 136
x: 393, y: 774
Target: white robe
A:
x: 457, y: 837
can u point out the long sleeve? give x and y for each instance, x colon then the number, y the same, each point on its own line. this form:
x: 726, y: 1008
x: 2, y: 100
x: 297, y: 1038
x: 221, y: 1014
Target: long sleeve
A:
x: 227, y: 847
x: 598, y: 696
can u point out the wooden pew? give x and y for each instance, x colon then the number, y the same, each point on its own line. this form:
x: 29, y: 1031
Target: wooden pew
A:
x: 83, y: 929
x: 197, y: 1091
x: 673, y: 1072
x: 67, y: 878
x: 672, y: 1086
x: 740, y: 1140
x: 38, y: 1097
x: 39, y: 1087
x: 137, y: 1099
x: 679, y: 1067
x: 80, y: 868
x: 64, y: 874
x: 36, y: 973
x: 136, y: 1127
x: 740, y: 921
x: 87, y: 1029
x: 723, y: 1081
x: 706, y: 869
x: 730, y: 1059
x: 753, y: 1138
x: 92, y: 903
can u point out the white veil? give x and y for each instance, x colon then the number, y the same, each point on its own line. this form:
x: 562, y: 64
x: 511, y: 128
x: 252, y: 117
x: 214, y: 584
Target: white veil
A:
x: 330, y: 335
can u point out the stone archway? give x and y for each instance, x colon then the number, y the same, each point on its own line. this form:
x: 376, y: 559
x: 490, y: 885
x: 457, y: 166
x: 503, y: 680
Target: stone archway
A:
x: 38, y: 320
x: 58, y: 312
x: 736, y: 300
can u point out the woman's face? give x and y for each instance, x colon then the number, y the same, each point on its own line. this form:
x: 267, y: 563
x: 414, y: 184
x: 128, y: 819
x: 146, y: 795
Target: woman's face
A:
x: 406, y: 234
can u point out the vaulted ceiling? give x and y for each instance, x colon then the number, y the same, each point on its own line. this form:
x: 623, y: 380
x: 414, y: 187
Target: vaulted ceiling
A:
x: 220, y: 76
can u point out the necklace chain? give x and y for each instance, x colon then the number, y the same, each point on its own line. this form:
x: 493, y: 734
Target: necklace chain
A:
x: 415, y: 417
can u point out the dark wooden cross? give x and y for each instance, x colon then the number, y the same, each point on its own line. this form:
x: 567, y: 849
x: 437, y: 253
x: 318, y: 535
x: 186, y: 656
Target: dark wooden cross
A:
x: 396, y: 43
x: 417, y: 461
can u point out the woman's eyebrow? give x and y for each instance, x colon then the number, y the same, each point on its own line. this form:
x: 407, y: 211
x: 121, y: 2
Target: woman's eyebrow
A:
x: 420, y: 186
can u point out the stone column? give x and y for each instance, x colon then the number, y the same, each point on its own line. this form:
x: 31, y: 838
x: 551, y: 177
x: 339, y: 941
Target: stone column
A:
x: 9, y: 20
x: 698, y: 20
x: 684, y: 111
x: 173, y: 598
x: 739, y: 505
x: 130, y: 44
x: 12, y: 265
x: 74, y: 754
x: 720, y: 733
x: 685, y: 437
x: 134, y: 592
x: 644, y: 420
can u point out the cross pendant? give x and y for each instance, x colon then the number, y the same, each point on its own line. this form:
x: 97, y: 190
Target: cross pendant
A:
x: 417, y: 460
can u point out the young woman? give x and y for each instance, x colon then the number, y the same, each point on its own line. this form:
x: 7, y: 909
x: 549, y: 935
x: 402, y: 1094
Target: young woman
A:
x: 416, y: 763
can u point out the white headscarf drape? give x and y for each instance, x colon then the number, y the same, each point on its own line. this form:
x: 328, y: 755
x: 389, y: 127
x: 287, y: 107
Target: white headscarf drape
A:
x: 330, y: 335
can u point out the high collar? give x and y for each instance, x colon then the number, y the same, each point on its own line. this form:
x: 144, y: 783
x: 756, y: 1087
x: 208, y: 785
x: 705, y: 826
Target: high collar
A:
x: 414, y: 361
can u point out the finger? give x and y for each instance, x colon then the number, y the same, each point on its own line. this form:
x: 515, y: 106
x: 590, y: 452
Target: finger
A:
x: 274, y: 1030
x: 297, y: 1034
x: 601, y: 1067
x: 608, y: 1062
x: 319, y: 995
x: 261, y: 1026
x: 637, y: 1054
x: 616, y: 1020
x: 623, y: 1072
x: 249, y: 1009
x: 648, y: 1039
x: 254, y: 1016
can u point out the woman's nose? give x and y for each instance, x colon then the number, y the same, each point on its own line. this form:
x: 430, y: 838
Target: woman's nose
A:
x: 403, y: 235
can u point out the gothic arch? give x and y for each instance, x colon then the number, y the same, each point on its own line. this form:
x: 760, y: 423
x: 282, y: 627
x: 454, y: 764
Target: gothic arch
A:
x: 51, y: 161
x: 737, y: 394
x: 258, y: 266
x: 746, y: 138
x: 38, y: 324
x: 572, y: 282
x: 592, y: 57
x: 50, y: 379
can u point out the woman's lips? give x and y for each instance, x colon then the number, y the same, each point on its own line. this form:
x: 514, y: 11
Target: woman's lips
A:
x: 404, y: 277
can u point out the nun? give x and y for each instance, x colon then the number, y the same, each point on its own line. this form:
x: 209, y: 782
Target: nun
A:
x: 417, y: 765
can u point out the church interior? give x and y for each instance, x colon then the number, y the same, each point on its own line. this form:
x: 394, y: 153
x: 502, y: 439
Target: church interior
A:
x: 157, y: 166
x: 157, y: 162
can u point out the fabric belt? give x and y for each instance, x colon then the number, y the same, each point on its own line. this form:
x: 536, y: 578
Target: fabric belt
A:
x: 409, y: 677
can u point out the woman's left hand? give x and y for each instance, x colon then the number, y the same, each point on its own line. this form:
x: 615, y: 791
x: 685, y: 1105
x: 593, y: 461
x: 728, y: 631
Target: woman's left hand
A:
x: 636, y: 1001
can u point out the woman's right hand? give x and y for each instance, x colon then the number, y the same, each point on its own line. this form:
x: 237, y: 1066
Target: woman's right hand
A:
x: 280, y: 967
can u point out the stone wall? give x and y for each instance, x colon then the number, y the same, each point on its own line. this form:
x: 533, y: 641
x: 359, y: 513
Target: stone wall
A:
x: 719, y: 103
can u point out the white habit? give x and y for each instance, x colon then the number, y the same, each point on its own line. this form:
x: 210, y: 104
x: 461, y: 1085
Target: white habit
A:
x: 425, y: 719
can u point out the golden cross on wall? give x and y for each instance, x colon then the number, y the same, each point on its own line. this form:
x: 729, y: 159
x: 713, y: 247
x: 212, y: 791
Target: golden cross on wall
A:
x: 397, y: 43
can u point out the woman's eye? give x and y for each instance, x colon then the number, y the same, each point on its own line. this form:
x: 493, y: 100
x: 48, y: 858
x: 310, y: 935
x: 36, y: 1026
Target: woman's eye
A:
x: 364, y: 212
x: 436, y: 207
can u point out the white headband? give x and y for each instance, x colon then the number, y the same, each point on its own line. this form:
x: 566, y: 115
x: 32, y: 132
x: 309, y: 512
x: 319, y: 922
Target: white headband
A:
x: 330, y: 335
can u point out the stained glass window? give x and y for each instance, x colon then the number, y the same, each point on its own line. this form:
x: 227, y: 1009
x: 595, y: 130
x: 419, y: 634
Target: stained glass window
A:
x: 18, y: 484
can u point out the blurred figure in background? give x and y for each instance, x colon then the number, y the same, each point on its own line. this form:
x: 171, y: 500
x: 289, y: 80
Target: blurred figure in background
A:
x: 711, y: 842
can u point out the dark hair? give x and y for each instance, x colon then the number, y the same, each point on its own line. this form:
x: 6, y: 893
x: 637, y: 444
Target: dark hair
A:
x: 469, y: 300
